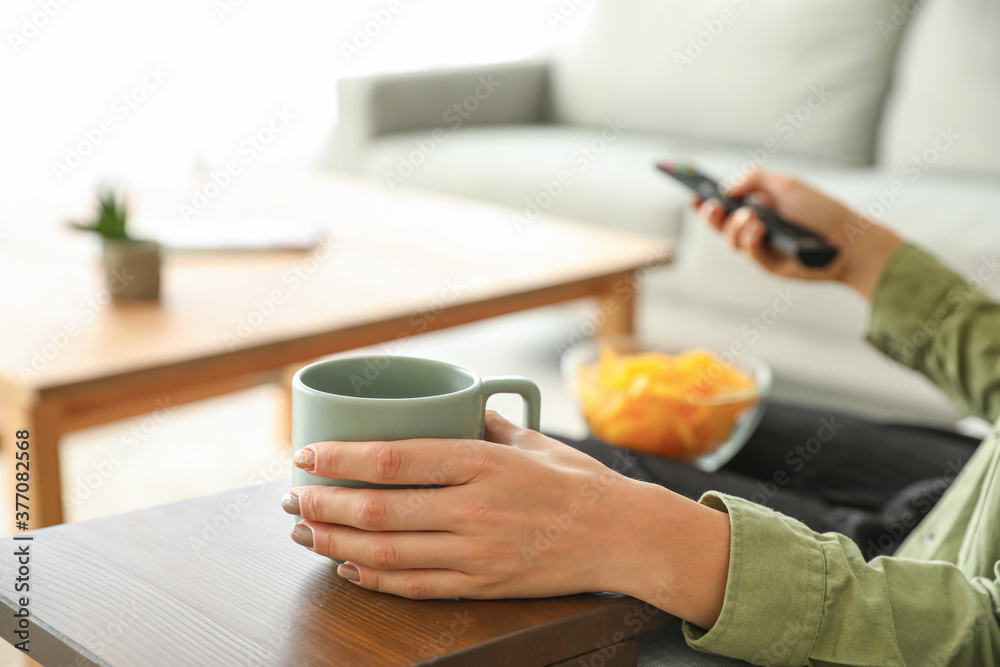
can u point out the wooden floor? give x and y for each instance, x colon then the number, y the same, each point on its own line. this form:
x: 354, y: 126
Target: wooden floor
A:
x: 229, y: 442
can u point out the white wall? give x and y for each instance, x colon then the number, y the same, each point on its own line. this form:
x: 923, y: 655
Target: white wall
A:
x: 227, y: 64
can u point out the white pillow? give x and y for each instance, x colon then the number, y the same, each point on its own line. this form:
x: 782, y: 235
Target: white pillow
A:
x: 945, y: 107
x: 806, y: 76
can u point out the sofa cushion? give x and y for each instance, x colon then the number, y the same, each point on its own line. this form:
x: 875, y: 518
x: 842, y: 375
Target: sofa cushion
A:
x: 610, y: 177
x: 808, y: 76
x: 947, y: 77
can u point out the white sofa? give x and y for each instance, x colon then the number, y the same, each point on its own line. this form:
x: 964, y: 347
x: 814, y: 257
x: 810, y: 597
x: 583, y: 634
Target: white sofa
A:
x: 891, y: 105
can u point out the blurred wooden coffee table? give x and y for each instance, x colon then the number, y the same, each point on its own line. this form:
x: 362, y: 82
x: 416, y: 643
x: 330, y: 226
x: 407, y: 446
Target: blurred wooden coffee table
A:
x: 218, y: 581
x: 395, y: 265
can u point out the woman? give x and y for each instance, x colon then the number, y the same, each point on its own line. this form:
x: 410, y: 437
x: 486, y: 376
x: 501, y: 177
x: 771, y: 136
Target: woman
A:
x: 750, y: 582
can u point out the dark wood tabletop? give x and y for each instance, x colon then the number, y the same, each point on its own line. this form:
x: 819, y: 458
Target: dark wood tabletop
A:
x: 217, y: 581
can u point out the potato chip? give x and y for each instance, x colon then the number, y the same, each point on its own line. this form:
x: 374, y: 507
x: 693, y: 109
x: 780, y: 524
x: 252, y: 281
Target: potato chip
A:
x: 680, y: 406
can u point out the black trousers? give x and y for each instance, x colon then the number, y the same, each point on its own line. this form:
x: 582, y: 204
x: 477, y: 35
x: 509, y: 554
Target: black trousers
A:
x: 871, y: 481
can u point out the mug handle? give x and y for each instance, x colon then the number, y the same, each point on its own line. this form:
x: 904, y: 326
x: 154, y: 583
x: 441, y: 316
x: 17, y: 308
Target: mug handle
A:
x: 524, y: 388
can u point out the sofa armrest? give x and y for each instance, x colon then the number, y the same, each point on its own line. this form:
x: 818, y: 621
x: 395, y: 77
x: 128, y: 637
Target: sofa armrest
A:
x: 500, y: 94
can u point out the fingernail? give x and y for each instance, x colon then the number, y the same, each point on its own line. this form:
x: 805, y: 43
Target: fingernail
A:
x: 290, y: 503
x: 305, y: 459
x: 349, y: 572
x: 303, y: 535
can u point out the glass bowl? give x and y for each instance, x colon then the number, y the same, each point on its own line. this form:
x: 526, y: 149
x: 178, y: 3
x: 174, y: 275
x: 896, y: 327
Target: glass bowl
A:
x: 695, y: 411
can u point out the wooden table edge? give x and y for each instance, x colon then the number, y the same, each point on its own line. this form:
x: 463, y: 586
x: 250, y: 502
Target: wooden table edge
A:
x: 270, y: 355
x: 57, y: 649
x: 458, y: 658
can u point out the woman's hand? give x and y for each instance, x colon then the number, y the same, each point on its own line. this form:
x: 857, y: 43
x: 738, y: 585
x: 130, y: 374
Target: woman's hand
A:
x: 519, y: 515
x: 865, y: 247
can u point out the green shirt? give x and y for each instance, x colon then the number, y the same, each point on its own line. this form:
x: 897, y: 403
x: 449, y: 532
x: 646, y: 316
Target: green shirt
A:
x: 796, y: 597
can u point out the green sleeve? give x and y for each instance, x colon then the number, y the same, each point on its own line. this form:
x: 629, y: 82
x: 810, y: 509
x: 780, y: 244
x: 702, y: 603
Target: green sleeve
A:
x: 930, y: 319
x: 795, y: 597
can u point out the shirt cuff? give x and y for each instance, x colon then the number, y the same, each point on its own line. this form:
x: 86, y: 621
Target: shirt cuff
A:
x: 775, y: 592
x: 915, y: 295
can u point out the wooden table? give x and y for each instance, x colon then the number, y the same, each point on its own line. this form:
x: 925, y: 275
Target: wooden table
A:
x: 217, y: 581
x: 396, y: 264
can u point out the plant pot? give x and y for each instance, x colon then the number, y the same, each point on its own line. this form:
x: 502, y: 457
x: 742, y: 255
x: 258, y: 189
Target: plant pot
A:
x: 132, y: 269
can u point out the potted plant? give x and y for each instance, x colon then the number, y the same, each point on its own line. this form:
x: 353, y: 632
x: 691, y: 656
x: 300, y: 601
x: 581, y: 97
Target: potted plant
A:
x: 131, y: 266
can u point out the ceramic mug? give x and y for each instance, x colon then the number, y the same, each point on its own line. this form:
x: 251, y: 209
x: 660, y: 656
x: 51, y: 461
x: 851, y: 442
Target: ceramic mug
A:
x: 365, y: 398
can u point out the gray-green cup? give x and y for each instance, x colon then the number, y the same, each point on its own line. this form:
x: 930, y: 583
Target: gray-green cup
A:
x: 364, y: 398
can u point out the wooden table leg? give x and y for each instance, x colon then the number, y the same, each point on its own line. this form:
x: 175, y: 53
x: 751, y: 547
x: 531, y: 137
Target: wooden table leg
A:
x: 42, y: 423
x: 617, y: 303
x: 623, y: 654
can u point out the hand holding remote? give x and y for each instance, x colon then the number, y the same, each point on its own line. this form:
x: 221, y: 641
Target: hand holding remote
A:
x: 805, y: 245
x: 860, y: 259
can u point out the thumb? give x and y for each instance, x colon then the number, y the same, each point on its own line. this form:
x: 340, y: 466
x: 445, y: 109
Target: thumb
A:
x: 763, y: 187
x: 504, y: 432
x: 752, y: 182
x: 499, y: 430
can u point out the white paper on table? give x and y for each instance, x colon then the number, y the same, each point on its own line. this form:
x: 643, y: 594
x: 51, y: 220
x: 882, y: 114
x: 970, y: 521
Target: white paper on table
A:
x: 285, y: 232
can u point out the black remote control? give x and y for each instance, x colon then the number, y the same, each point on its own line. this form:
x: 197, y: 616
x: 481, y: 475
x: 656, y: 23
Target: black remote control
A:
x: 808, y: 247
